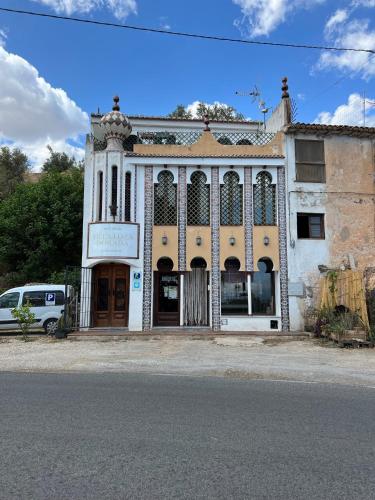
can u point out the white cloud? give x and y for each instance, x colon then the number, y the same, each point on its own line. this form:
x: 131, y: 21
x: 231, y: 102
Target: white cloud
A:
x: 120, y: 8
x: 260, y: 17
x: 349, y: 114
x: 34, y: 114
x: 363, y: 3
x: 357, y: 34
x: 338, y: 17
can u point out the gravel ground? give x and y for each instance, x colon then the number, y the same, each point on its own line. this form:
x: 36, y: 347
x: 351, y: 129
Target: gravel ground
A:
x: 304, y: 360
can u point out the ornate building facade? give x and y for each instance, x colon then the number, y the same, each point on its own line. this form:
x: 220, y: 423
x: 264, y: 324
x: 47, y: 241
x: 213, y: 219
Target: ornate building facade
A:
x: 184, y: 225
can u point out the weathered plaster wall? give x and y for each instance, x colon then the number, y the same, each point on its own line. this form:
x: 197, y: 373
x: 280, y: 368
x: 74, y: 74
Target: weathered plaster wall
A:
x: 347, y: 200
x: 350, y: 200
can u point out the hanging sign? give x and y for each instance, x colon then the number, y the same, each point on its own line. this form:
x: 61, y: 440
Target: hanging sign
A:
x: 114, y: 240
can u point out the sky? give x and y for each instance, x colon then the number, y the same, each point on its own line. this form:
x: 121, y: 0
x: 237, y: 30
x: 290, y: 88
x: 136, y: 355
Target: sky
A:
x: 54, y: 73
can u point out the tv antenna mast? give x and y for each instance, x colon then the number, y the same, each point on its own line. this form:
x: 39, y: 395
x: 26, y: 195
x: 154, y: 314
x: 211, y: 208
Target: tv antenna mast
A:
x: 256, y: 97
x: 364, y: 111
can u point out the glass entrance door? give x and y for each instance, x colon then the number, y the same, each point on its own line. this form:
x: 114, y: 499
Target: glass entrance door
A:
x: 167, y: 299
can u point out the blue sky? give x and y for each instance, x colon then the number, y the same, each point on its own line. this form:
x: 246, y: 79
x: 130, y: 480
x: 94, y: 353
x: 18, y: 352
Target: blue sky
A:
x: 54, y: 73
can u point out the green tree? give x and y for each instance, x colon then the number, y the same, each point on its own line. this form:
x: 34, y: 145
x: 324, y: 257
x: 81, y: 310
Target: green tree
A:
x: 215, y: 112
x: 41, y: 227
x: 59, y: 162
x: 13, y: 167
x: 181, y: 113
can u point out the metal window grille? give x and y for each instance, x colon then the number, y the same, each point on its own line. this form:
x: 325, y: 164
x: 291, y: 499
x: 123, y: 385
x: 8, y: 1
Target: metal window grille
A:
x: 256, y: 137
x: 186, y: 138
x: 128, y: 178
x: 231, y: 200
x: 165, y: 137
x: 198, y: 201
x: 264, y: 200
x: 165, y: 200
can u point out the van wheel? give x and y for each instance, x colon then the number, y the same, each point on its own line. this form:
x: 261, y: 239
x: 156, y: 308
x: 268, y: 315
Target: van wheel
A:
x: 50, y: 326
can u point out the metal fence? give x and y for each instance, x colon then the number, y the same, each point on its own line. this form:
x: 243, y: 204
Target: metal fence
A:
x: 78, y: 298
x: 189, y: 137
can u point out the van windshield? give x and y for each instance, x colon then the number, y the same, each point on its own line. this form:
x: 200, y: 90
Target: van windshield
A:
x: 9, y: 300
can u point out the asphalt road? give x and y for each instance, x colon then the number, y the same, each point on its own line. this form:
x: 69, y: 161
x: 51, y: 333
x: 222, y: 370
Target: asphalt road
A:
x: 125, y: 436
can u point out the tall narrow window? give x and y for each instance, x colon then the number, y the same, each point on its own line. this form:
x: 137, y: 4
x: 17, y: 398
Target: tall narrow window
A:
x: 128, y: 179
x: 198, y: 200
x: 264, y: 200
x: 263, y: 288
x: 165, y: 200
x: 233, y: 288
x: 231, y: 200
x: 100, y: 196
x: 113, y: 206
x: 310, y: 163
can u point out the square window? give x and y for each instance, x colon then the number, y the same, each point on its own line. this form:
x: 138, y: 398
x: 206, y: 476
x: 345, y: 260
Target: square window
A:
x: 310, y: 226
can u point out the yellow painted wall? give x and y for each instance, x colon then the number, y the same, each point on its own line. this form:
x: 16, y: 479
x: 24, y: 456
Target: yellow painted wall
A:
x: 169, y: 250
x: 237, y: 250
x: 261, y: 250
x: 193, y: 250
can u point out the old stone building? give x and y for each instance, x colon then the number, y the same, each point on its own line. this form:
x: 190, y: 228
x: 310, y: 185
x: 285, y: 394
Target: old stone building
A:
x: 220, y: 225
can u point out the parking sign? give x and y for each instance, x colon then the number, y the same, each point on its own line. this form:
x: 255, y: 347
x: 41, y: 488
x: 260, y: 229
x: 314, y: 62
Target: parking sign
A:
x: 50, y: 299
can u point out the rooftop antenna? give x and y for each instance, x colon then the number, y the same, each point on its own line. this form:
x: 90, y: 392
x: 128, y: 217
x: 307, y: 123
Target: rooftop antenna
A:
x: 256, y: 97
x: 366, y: 101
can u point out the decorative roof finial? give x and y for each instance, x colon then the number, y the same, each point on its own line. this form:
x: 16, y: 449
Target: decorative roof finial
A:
x: 206, y: 122
x: 116, y: 106
x: 284, y: 88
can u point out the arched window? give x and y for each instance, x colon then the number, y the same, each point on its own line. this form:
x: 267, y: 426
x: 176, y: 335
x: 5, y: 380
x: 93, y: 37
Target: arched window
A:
x: 244, y: 142
x: 264, y: 200
x: 231, y: 200
x: 198, y: 200
x: 128, y: 180
x: 165, y: 200
x: 224, y: 140
x: 100, y: 196
x: 263, y: 288
x: 113, y: 206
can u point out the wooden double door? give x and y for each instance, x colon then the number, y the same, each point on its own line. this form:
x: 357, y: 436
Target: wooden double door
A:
x: 111, y: 295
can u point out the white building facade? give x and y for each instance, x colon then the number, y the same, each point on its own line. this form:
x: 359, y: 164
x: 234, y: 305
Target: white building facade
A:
x: 185, y: 225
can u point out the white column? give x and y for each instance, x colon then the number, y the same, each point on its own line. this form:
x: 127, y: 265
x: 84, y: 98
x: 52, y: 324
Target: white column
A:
x: 181, y: 300
x: 250, y: 312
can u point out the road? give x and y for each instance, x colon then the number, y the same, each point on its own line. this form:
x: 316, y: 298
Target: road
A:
x: 137, y: 436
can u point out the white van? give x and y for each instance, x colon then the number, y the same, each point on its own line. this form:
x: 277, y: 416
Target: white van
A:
x: 46, y: 302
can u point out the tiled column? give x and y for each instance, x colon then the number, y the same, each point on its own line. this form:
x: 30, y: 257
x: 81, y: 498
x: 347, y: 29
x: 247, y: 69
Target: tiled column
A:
x: 281, y: 206
x: 249, y: 260
x: 215, y: 248
x: 147, y: 251
x: 182, y: 219
x: 135, y: 192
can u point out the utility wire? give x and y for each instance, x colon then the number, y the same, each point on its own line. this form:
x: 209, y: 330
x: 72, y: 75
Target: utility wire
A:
x: 179, y: 33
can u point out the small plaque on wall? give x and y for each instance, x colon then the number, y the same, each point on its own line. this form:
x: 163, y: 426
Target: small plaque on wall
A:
x: 296, y: 289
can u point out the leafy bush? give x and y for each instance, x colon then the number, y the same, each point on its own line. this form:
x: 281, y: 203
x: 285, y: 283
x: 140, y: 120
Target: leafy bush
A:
x: 25, y: 319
